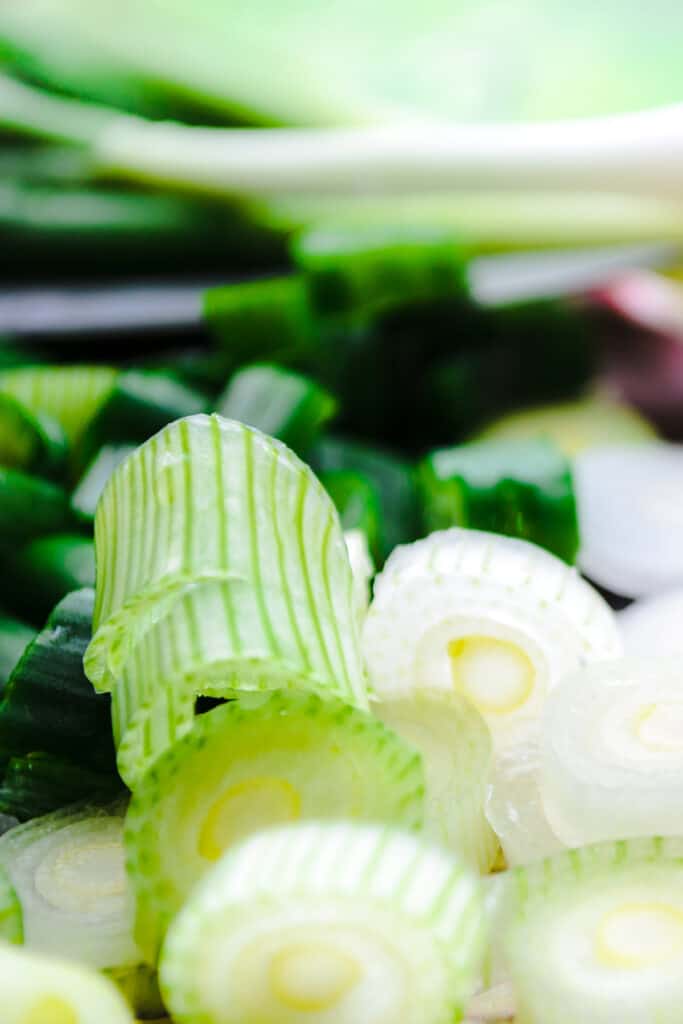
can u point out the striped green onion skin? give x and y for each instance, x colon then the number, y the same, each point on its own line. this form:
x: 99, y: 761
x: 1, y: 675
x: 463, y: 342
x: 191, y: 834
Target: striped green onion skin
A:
x: 322, y: 923
x: 71, y: 395
x: 243, y: 768
x: 68, y: 871
x: 496, y: 619
x: 596, y: 934
x: 455, y: 745
x: 612, y: 752
x: 222, y: 568
x: 11, y: 927
x: 38, y: 989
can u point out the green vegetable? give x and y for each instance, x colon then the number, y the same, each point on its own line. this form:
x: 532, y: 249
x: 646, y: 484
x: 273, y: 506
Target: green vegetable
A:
x: 48, y: 704
x: 71, y: 395
x: 597, y: 934
x: 496, y: 619
x: 573, y: 426
x: 326, y: 921
x: 455, y: 746
x: 279, y: 402
x: 14, y: 637
x: 140, y: 986
x: 67, y: 869
x: 87, y: 493
x: 33, y: 443
x: 36, y: 784
x: 10, y: 912
x: 359, y: 503
x: 39, y: 989
x: 44, y: 571
x: 216, y: 602
x: 244, y: 768
x: 362, y: 570
x: 30, y: 506
x: 519, y: 488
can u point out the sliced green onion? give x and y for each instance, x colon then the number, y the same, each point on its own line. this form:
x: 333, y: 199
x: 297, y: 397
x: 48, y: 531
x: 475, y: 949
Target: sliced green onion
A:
x: 631, y: 535
x: 140, y: 986
x: 28, y: 441
x: 68, y: 871
x: 86, y: 495
x: 31, y: 507
x: 496, y: 619
x: 279, y: 402
x: 321, y: 922
x: 44, y: 990
x: 574, y: 426
x: 362, y: 569
x: 36, y: 784
x: 652, y: 625
x: 14, y: 638
x: 11, y: 928
x: 596, y: 934
x: 251, y: 599
x: 359, y: 503
x: 71, y: 395
x: 243, y: 768
x: 612, y: 752
x: 519, y: 488
x: 45, y: 570
x: 514, y: 807
x: 455, y: 746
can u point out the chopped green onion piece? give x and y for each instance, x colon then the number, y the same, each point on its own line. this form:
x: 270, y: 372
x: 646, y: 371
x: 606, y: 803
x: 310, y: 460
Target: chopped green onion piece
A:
x: 628, y: 496
x: 279, y: 402
x: 379, y: 267
x: 359, y: 503
x: 612, y: 752
x: 573, y: 426
x: 37, y: 989
x: 48, y: 704
x: 216, y: 603
x: 45, y: 570
x: 321, y: 922
x: 68, y: 871
x: 34, y: 443
x: 596, y: 934
x: 244, y: 768
x: 36, y: 784
x: 496, y: 619
x: 30, y: 507
x: 140, y: 986
x: 71, y: 395
x: 14, y: 638
x: 455, y: 746
x: 519, y: 488
x: 86, y: 495
x: 11, y: 928
x: 362, y: 569
x: 652, y: 625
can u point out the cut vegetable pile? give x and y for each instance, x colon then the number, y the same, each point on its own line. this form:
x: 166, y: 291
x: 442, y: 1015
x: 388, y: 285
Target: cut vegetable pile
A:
x: 340, y: 618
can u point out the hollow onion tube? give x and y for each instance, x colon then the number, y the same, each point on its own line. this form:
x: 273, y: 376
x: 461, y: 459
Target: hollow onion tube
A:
x: 243, y: 768
x: 67, y: 870
x: 326, y: 922
x: 596, y: 934
x: 631, y: 534
x: 455, y: 745
x: 652, y: 625
x: 38, y: 989
x: 514, y: 807
x: 71, y: 395
x: 573, y: 426
x: 11, y: 928
x: 496, y: 619
x: 223, y: 568
x: 612, y: 752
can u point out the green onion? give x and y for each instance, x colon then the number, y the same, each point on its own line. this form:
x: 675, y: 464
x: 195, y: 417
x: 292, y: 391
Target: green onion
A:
x: 316, y: 922
x: 14, y: 638
x: 87, y: 493
x: 45, y: 570
x: 362, y: 569
x: 30, y: 507
x: 71, y: 395
x: 36, y: 784
x: 28, y: 441
x: 11, y: 929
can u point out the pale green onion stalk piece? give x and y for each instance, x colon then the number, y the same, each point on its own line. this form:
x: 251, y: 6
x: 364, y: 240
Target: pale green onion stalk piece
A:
x: 38, y: 989
x: 496, y: 619
x: 612, y: 752
x: 596, y: 934
x: 71, y: 395
x: 222, y: 568
x: 11, y: 928
x: 321, y: 923
x: 243, y: 768
x: 574, y: 426
x: 140, y: 986
x: 628, y: 499
x: 514, y: 807
x: 68, y: 871
x: 455, y: 745
x: 652, y: 626
x: 362, y: 568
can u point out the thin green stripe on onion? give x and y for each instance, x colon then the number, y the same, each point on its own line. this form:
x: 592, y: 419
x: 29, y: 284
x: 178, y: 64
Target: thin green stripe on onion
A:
x: 612, y: 752
x: 496, y: 619
x: 321, y: 923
